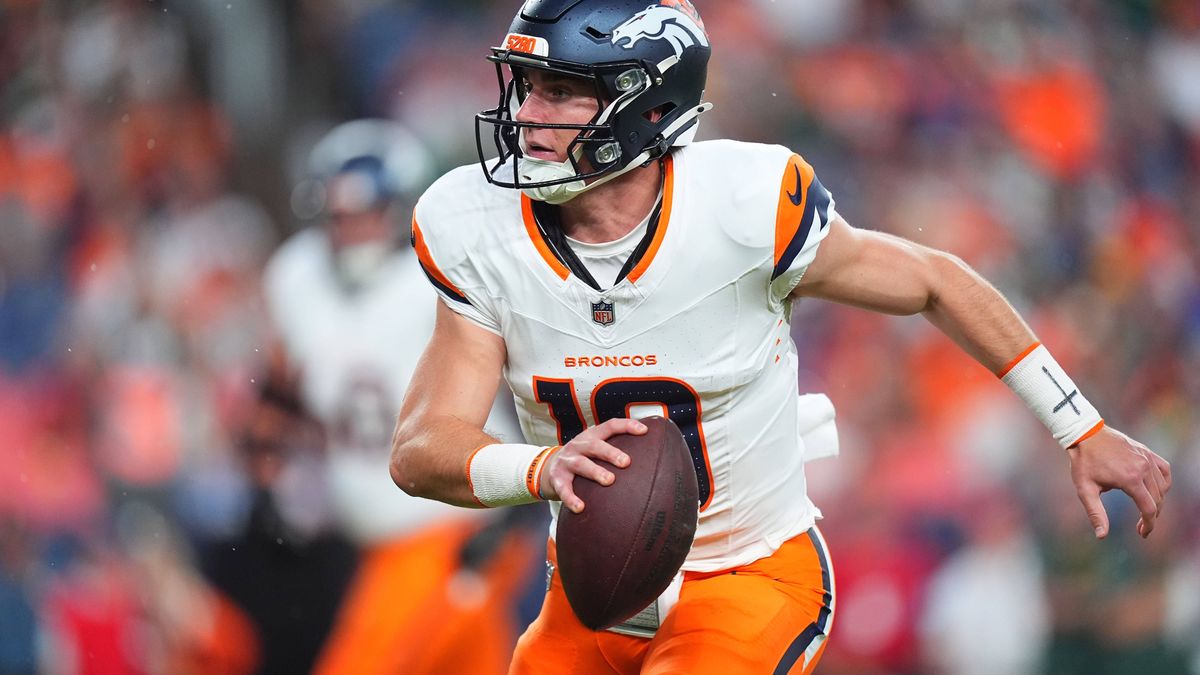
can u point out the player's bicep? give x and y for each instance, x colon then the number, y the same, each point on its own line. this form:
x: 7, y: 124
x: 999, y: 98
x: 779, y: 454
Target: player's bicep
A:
x: 868, y: 269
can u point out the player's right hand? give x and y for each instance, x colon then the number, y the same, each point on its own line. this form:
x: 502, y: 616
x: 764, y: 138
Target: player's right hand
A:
x: 1110, y: 460
x: 575, y: 459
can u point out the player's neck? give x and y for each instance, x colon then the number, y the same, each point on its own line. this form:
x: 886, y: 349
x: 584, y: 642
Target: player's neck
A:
x: 614, y: 209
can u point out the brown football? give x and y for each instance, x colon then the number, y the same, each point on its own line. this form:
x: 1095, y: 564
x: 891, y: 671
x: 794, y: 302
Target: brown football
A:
x: 622, y: 551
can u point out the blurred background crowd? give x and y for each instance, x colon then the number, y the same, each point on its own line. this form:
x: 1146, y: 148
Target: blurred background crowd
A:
x: 150, y: 154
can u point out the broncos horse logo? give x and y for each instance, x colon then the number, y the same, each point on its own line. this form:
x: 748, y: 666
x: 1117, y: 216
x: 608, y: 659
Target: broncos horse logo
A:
x: 658, y: 22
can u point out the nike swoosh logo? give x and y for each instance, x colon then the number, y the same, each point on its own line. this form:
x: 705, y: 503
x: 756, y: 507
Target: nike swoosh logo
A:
x: 796, y: 197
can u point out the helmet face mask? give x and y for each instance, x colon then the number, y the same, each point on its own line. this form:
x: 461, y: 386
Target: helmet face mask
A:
x: 507, y: 130
x: 646, y: 64
x: 596, y: 141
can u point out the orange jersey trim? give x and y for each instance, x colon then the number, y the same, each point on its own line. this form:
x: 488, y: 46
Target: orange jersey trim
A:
x: 663, y: 219
x: 426, y: 259
x: 535, y: 236
x: 789, y: 216
x: 1013, y: 364
x: 531, y: 229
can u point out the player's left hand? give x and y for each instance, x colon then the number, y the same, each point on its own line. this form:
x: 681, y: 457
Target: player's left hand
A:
x: 1111, y: 460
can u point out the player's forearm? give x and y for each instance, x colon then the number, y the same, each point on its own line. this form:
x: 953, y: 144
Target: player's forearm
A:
x: 889, y: 274
x: 429, y: 456
x: 441, y: 420
x: 973, y: 313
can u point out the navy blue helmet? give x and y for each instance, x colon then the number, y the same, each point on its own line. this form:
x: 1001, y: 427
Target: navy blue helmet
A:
x: 641, y: 56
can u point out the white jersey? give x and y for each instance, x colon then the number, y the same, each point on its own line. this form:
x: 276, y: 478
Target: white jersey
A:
x: 698, y: 330
x: 355, y: 354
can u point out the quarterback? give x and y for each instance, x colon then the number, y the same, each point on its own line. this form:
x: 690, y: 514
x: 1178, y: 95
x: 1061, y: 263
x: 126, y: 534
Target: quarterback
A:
x: 608, y: 267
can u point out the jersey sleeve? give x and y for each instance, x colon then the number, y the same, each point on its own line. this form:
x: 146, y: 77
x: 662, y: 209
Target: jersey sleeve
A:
x: 801, y: 222
x: 449, y: 273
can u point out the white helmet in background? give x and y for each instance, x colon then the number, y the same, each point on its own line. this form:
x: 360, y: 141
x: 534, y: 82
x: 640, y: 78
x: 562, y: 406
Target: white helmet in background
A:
x: 363, y: 177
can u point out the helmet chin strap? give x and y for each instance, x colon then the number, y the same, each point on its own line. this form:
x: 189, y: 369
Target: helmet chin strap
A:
x: 536, y: 170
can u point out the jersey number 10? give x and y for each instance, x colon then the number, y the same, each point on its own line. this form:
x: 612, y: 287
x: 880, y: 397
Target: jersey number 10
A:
x: 615, y: 398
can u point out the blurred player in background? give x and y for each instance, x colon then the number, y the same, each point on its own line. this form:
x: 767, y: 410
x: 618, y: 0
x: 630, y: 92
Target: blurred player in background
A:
x: 352, y: 312
x: 604, y: 264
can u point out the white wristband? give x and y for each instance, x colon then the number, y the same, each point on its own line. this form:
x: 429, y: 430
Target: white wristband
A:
x: 1049, y: 392
x: 507, y: 474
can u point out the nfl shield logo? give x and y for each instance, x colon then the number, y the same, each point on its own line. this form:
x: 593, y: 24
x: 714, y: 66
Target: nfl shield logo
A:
x: 602, y: 312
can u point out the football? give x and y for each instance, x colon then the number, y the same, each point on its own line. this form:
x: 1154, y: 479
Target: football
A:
x: 622, y: 551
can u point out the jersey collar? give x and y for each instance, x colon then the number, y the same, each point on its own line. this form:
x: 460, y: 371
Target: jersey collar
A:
x: 549, y: 255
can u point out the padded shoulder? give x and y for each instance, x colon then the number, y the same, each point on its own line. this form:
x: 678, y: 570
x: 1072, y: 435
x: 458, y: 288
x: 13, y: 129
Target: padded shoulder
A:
x: 747, y: 177
x: 456, y: 214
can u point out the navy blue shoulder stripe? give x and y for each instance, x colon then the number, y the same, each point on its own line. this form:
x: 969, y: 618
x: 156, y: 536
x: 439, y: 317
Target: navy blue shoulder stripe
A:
x: 816, y: 206
x: 446, y: 290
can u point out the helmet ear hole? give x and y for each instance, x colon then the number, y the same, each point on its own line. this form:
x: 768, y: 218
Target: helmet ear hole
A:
x: 656, y: 113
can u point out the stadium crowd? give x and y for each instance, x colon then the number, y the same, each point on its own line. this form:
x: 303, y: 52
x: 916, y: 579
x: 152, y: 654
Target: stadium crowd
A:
x: 149, y: 152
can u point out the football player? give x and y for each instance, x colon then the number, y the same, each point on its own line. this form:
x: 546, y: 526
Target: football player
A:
x: 607, y: 266
x: 352, y: 312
